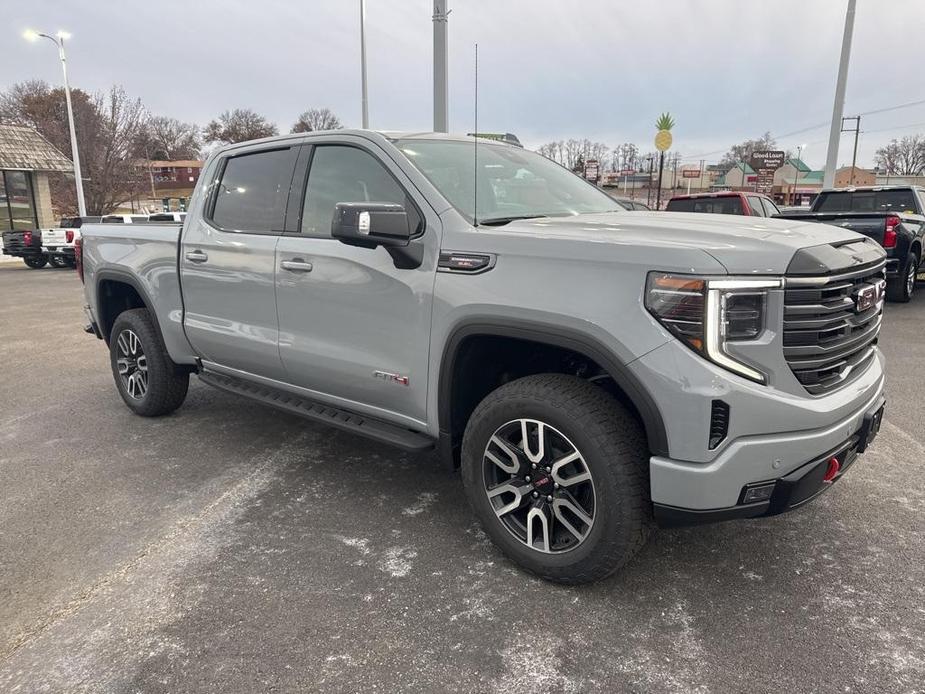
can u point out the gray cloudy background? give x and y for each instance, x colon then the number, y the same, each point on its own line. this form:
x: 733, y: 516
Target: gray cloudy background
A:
x: 602, y: 69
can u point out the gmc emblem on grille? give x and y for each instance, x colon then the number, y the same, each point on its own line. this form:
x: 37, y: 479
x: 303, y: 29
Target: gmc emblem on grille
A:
x: 865, y: 297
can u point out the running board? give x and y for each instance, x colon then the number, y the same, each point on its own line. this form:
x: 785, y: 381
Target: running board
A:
x: 309, y: 409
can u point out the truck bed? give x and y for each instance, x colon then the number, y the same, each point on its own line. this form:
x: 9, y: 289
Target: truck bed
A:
x: 145, y: 256
x: 870, y: 224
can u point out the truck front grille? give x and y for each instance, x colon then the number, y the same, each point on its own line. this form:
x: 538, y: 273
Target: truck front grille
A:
x: 826, y: 337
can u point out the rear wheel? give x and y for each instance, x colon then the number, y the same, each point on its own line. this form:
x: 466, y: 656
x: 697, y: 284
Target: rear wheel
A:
x: 557, y: 472
x: 148, y: 380
x: 35, y: 261
x: 901, y: 287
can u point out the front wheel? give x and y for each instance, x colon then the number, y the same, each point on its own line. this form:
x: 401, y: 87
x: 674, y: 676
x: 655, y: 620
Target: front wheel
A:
x: 148, y: 380
x: 57, y: 261
x: 557, y: 472
x: 35, y: 261
x: 901, y: 287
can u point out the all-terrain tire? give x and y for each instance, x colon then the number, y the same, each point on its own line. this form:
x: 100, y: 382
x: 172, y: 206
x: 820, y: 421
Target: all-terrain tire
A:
x: 615, y: 452
x: 165, y: 384
x: 35, y: 261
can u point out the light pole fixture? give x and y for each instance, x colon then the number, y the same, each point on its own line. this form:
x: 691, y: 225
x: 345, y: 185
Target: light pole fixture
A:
x: 364, y: 99
x: 58, y: 40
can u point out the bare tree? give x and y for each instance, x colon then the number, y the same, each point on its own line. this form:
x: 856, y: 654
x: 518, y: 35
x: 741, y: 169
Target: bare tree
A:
x: 238, y: 125
x: 628, y: 154
x: 110, y: 165
x: 317, y: 119
x: 744, y: 150
x: 170, y: 139
x: 107, y: 127
x: 905, y: 157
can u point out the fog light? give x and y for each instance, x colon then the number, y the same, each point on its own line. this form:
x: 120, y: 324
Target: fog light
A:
x: 761, y: 492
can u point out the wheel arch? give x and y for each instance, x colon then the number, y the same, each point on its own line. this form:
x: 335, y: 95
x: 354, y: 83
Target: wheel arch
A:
x: 116, y: 292
x: 545, y: 335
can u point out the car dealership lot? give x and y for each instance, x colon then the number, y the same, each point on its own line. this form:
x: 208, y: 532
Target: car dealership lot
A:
x: 230, y: 547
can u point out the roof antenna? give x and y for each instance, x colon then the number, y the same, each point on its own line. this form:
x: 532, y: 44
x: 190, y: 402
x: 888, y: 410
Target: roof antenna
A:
x: 475, y: 147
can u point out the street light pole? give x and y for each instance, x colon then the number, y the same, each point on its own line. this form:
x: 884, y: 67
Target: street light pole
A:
x: 75, y: 155
x: 363, y: 63
x: 441, y: 61
x: 831, y: 158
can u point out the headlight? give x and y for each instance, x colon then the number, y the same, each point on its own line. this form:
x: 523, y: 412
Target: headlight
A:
x: 706, y: 314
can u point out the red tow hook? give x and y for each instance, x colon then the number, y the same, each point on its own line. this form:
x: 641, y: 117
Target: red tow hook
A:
x: 832, y: 470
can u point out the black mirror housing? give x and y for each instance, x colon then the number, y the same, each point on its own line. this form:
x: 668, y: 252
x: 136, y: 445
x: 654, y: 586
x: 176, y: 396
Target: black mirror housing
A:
x: 371, y: 224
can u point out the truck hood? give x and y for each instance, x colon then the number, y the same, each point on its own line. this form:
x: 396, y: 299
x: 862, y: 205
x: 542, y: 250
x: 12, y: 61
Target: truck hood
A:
x: 743, y: 245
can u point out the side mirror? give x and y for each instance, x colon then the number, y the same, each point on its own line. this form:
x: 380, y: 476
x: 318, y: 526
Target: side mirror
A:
x: 371, y: 224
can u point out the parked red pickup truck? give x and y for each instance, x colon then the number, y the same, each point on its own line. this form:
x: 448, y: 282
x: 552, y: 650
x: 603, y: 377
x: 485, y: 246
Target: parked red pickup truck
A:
x: 727, y: 202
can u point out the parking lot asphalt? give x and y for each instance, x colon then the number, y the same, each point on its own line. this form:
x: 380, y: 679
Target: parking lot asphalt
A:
x: 232, y: 548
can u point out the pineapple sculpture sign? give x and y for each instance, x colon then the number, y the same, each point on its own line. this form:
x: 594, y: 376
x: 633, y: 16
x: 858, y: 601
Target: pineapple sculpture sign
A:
x: 663, y: 140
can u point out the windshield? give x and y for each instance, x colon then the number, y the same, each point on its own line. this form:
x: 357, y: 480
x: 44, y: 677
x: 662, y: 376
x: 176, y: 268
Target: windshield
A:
x: 512, y: 183
x: 867, y: 201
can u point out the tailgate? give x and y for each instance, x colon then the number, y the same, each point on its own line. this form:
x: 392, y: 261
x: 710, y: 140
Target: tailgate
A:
x: 870, y: 224
x: 54, y: 237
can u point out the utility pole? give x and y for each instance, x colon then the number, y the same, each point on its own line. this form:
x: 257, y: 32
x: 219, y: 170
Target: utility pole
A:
x: 856, y: 130
x: 441, y: 99
x: 364, y: 99
x: 831, y: 158
x: 661, y: 166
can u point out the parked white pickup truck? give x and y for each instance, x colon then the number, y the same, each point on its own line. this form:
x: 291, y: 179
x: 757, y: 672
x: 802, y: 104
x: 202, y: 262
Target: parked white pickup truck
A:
x: 58, y: 243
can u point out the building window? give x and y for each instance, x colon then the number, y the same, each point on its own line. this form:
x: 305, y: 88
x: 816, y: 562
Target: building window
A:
x: 17, y: 202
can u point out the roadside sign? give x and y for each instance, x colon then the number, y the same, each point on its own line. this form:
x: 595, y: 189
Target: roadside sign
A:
x: 592, y: 170
x: 690, y: 173
x: 765, y: 163
x: 627, y: 172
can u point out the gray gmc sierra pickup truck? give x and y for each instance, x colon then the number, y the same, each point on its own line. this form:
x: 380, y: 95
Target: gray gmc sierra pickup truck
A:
x: 594, y: 372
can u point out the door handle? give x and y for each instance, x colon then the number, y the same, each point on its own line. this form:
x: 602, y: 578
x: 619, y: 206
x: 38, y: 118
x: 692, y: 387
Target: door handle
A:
x: 197, y: 257
x: 296, y: 265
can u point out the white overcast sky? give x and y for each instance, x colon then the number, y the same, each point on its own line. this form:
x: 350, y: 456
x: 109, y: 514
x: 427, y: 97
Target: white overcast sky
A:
x: 549, y: 69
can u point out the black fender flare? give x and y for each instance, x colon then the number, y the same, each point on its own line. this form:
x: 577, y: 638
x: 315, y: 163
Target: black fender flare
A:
x: 556, y: 336
x: 123, y: 277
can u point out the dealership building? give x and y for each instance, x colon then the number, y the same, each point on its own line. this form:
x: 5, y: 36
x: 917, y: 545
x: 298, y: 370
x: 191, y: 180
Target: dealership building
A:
x: 26, y: 159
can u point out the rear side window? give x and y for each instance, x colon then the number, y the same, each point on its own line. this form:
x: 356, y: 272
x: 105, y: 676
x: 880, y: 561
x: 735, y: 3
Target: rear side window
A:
x: 252, y: 192
x: 136, y: 220
x: 346, y: 174
x: 867, y: 201
x: 726, y: 205
x: 754, y: 204
x: 113, y: 220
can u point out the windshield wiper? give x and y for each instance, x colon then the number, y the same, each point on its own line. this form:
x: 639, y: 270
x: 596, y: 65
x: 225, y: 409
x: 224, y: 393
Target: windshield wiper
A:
x: 499, y: 221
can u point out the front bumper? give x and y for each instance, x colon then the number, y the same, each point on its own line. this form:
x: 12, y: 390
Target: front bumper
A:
x: 791, y: 490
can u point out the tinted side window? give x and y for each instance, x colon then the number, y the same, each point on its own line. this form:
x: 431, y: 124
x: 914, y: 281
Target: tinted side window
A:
x: 754, y: 205
x: 113, y: 220
x: 345, y: 174
x: 252, y: 192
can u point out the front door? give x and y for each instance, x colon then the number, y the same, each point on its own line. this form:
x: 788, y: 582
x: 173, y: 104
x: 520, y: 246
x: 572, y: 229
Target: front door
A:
x: 354, y: 328
x: 228, y: 262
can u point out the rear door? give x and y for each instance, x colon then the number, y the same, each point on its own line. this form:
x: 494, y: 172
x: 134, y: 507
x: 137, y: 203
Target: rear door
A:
x: 354, y: 328
x: 228, y: 264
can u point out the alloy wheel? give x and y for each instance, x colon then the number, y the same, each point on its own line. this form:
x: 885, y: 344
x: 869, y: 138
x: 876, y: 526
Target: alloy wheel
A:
x: 911, y: 276
x: 132, y: 364
x: 539, y: 486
